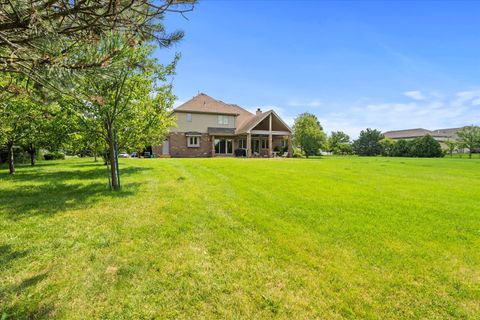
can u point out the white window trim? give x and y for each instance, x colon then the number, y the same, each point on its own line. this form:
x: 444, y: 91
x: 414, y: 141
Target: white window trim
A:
x: 242, y: 143
x: 189, y: 117
x: 193, y: 145
x: 222, y: 119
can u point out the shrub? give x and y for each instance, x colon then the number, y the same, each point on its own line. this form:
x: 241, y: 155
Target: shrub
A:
x: 426, y: 147
x: 54, y: 156
x: 401, y: 148
x: 387, y: 146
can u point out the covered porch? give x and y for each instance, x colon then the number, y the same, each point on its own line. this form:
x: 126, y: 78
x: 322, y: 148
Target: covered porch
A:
x: 265, y: 136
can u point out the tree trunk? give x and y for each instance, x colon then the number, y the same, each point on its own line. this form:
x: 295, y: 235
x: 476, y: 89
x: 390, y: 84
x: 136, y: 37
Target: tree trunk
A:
x: 11, y: 163
x: 32, y: 151
x: 112, y: 157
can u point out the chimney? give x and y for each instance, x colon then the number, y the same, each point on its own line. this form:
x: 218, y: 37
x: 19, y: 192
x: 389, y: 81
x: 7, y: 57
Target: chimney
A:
x: 259, y: 111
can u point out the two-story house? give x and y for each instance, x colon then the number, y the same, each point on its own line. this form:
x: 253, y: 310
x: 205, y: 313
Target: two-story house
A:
x: 207, y: 128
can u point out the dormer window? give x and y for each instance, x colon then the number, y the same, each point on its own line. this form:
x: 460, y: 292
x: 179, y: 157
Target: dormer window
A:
x: 222, y: 119
x: 189, y: 117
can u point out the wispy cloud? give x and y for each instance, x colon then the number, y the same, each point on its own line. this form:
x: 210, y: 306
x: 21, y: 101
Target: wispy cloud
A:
x: 416, y: 95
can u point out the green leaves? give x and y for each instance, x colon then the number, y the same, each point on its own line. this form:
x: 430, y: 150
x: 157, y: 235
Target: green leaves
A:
x: 308, y: 134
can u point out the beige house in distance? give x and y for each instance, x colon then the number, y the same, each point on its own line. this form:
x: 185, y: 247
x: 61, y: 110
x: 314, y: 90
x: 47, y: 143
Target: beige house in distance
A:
x: 207, y: 127
x: 440, y: 135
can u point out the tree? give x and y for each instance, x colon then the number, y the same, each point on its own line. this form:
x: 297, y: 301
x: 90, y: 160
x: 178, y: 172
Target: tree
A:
x: 339, y: 143
x: 37, y: 35
x: 469, y: 138
x: 426, y: 147
x: 368, y: 143
x: 308, y: 134
x: 127, y: 104
x: 451, y: 146
x: 388, y: 146
x: 18, y: 114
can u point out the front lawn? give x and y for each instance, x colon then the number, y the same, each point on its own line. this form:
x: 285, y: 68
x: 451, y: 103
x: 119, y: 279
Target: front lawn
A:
x: 329, y: 238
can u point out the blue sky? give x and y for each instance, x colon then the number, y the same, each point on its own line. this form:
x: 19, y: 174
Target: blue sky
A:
x: 385, y: 65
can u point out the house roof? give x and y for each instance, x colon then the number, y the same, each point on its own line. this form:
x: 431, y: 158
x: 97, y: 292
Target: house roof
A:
x: 449, y: 132
x: 420, y: 132
x: 408, y: 133
x: 203, y: 103
x: 220, y: 131
x: 255, y: 120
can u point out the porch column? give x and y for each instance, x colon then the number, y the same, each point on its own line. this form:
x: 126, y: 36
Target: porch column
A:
x: 290, y: 147
x: 213, y: 146
x: 249, y: 145
x: 270, y: 148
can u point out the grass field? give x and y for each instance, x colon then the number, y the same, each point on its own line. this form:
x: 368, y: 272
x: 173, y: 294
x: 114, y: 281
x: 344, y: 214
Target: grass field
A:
x: 330, y: 238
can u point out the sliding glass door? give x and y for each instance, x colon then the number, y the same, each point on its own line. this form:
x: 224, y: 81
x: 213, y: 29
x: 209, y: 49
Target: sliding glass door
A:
x: 223, y: 146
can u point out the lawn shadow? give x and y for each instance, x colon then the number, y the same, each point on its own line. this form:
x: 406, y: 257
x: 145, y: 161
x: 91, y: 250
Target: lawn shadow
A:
x: 49, y: 192
x: 7, y: 255
x: 23, y: 308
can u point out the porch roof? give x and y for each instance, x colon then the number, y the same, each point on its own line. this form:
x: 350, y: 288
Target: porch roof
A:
x: 220, y: 131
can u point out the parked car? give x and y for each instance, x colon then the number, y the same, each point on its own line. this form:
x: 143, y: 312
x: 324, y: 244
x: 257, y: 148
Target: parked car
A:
x: 134, y: 155
x: 124, y: 155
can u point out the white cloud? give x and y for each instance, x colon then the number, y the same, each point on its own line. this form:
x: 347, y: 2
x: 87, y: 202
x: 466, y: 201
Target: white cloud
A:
x: 416, y: 95
x: 432, y: 112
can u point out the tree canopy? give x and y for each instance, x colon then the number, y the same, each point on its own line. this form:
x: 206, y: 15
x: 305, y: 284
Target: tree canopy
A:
x: 308, y: 134
x: 469, y: 137
x: 368, y: 143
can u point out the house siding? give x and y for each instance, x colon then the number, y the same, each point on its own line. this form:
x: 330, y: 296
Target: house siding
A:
x: 200, y: 122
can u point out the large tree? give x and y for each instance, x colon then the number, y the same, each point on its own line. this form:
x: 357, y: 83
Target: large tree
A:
x: 308, y: 134
x: 469, y: 137
x: 368, y: 143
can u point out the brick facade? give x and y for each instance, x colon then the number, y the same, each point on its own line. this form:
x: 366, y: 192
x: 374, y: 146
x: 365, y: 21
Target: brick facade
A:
x: 178, y: 146
x: 179, y: 149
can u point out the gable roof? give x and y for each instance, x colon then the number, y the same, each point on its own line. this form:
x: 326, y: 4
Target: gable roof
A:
x: 255, y: 120
x: 203, y: 103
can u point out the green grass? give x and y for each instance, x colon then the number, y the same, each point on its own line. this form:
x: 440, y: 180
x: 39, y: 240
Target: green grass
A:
x: 330, y: 238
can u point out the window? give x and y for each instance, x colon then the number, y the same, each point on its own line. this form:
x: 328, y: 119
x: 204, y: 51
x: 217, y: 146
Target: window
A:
x: 242, y: 144
x: 193, y: 142
x: 284, y: 143
x: 222, y: 119
x: 189, y: 117
x: 264, y: 144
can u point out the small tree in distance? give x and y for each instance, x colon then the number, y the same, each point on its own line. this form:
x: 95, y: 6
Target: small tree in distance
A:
x: 368, y: 143
x: 308, y: 134
x: 339, y: 143
x: 451, y: 146
x: 469, y: 138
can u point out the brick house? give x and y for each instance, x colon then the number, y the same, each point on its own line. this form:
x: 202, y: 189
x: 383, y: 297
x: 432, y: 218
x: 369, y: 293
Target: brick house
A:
x: 207, y: 128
